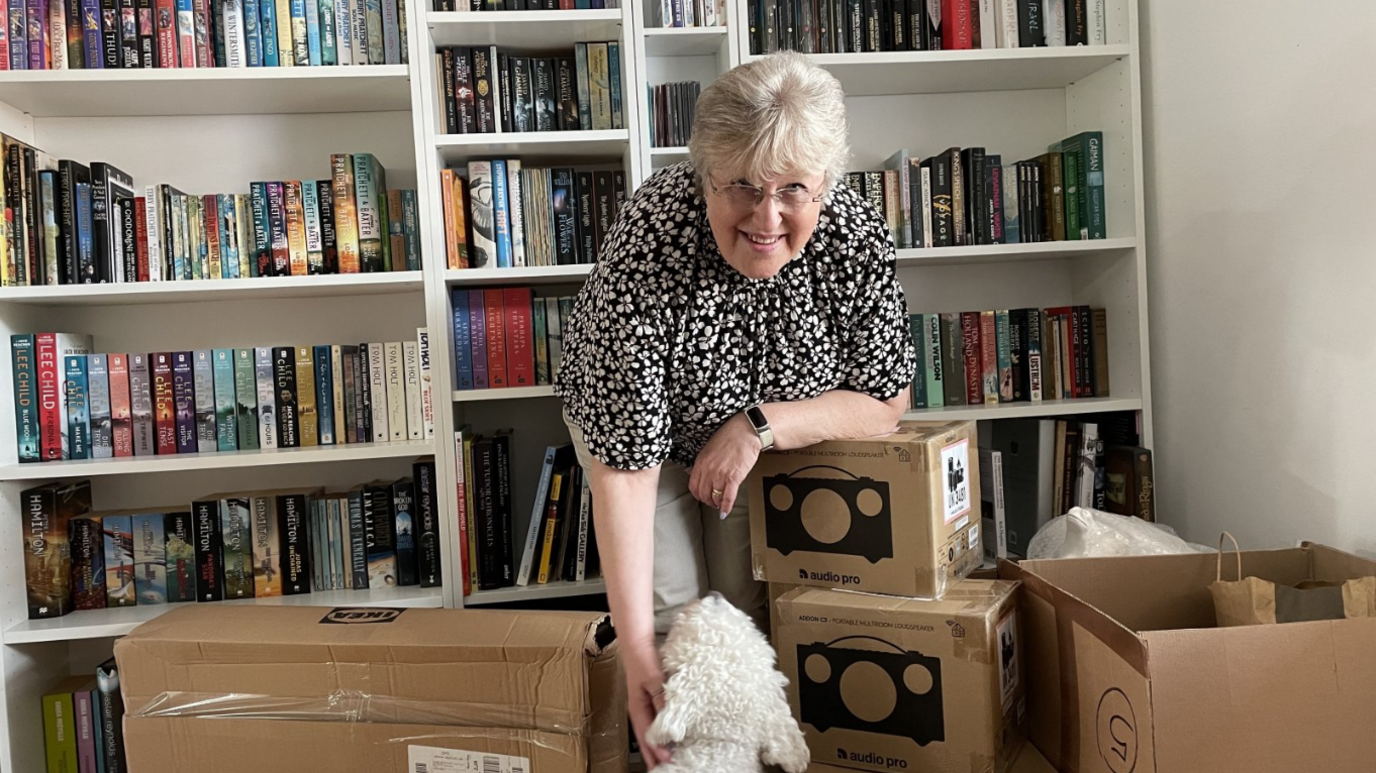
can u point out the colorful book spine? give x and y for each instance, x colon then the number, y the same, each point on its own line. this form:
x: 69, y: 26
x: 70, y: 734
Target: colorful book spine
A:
x: 267, y: 399
x: 936, y: 387
x: 267, y: 547
x: 284, y: 376
x: 210, y: 562
x: 181, y: 556
x: 184, y: 402
x: 520, y: 348
x: 226, y: 423
x: 310, y: 206
x: 26, y: 415
x: 119, y: 560
x: 51, y: 399
x: 277, y: 230
x: 150, y: 557
x: 87, y: 544
x: 346, y: 213
x: 245, y: 399
x: 1004, y: 348
x: 308, y: 419
x: 295, y: 541
x: 236, y: 525
x: 329, y: 240
x: 121, y: 406
x: 141, y: 404
x: 324, y: 394
x: 164, y: 403
x: 410, y: 221
x: 501, y: 217
x: 477, y: 336
x: 203, y: 383
x: 372, y: 223
x: 296, y: 228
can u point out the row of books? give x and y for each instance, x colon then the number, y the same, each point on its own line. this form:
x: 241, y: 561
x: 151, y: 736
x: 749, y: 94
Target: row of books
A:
x: 1032, y: 470
x: 671, y: 115
x: 560, y: 541
x: 83, y: 722
x: 70, y: 223
x: 690, y: 13
x: 484, y: 89
x: 507, y: 337
x: 201, y: 33
x: 74, y: 403
x: 506, y: 214
x: 522, y: 5
x: 254, y: 544
x: 1009, y: 356
x: 856, y: 26
x: 966, y: 196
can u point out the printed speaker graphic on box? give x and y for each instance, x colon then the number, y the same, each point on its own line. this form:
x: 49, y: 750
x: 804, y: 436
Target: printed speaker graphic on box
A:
x: 788, y: 527
x: 828, y: 675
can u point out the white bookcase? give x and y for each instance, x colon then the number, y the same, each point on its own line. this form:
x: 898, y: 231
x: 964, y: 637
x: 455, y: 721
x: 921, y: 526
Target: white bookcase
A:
x: 217, y: 130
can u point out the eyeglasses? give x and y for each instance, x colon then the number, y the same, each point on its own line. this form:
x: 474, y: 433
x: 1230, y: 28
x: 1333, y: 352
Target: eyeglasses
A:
x: 747, y: 197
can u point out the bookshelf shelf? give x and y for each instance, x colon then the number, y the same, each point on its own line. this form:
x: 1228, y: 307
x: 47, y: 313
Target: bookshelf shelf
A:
x: 529, y: 275
x: 1084, y: 405
x: 82, y: 468
x: 537, y: 147
x: 224, y: 91
x: 253, y: 288
x: 662, y: 157
x: 525, y: 29
x: 684, y: 41
x: 553, y: 590
x: 102, y: 623
x: 943, y: 72
x: 511, y: 393
x: 1005, y: 253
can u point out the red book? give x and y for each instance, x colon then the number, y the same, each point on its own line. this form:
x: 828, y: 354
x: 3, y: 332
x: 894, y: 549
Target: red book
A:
x: 166, y: 16
x: 141, y: 236
x: 520, y: 341
x: 496, y: 338
x: 164, y: 406
x: 973, y: 357
x: 210, y: 215
x: 121, y: 413
x: 957, y: 24
x: 50, y: 385
x: 989, y: 357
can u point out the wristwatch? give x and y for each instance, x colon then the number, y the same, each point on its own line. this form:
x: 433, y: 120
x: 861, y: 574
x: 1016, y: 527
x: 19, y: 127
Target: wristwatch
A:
x: 761, y: 425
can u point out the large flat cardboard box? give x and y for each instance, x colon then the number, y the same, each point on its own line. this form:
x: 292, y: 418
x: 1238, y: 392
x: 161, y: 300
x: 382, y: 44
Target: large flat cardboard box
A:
x: 225, y: 688
x: 1029, y: 761
x: 884, y: 683
x: 893, y: 514
x: 1127, y: 672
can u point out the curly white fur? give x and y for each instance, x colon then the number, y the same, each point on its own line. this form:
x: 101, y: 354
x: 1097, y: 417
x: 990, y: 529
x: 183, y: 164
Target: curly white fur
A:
x: 724, y: 705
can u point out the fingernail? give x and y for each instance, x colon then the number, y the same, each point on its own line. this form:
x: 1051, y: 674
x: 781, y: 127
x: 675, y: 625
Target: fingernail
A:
x: 724, y: 513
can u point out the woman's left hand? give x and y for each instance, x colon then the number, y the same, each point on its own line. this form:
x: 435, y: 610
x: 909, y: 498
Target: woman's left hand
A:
x: 724, y: 462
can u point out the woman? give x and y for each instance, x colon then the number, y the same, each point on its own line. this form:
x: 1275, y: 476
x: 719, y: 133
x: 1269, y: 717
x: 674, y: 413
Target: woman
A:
x: 745, y: 300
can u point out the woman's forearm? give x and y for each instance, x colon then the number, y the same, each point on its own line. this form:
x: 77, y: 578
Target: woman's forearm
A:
x: 624, y: 515
x: 832, y: 415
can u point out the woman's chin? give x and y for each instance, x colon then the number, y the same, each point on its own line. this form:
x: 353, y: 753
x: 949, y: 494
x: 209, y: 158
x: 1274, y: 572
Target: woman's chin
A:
x: 755, y: 264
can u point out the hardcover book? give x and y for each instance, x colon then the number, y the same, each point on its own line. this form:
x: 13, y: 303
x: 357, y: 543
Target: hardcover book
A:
x: 150, y: 557
x: 48, y: 512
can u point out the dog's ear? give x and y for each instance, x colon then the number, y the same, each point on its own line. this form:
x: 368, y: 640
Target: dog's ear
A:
x: 680, y: 714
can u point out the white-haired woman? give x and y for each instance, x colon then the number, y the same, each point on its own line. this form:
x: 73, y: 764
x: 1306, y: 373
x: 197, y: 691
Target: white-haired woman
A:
x: 744, y: 300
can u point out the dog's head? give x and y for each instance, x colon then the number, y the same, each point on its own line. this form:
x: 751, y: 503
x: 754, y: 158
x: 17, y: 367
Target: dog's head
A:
x: 711, y: 630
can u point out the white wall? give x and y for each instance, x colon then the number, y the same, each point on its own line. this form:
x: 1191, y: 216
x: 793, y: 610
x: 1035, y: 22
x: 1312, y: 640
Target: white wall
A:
x: 1260, y: 155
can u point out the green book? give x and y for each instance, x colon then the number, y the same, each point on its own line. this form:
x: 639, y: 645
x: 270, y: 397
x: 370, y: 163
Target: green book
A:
x: 59, y: 724
x: 226, y: 423
x: 1074, y: 194
x: 236, y: 525
x: 1089, y: 147
x: 371, y: 194
x: 931, y: 324
x: 541, y: 344
x: 919, y: 392
x: 246, y: 398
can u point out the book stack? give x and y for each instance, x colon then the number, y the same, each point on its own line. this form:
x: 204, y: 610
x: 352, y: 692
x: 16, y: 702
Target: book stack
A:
x: 151, y: 34
x: 690, y: 13
x: 73, y: 223
x: 671, y: 119
x: 506, y: 215
x: 74, y: 403
x: 507, y: 337
x: 1009, y: 356
x: 560, y: 543
x: 865, y: 26
x: 965, y: 196
x: 83, y: 722
x: 487, y: 90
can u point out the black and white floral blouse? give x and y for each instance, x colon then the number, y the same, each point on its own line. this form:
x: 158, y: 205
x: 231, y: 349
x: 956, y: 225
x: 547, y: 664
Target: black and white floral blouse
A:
x: 667, y: 341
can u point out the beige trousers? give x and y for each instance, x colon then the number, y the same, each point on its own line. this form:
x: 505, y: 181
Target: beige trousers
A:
x: 696, y: 550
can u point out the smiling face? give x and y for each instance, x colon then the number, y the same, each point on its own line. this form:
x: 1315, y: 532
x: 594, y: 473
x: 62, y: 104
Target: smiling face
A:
x: 758, y: 240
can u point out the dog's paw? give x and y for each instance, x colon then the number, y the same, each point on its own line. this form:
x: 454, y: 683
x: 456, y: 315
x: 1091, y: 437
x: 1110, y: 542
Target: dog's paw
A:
x: 789, y: 751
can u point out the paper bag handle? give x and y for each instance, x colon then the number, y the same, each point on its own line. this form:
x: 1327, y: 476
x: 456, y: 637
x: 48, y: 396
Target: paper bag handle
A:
x: 1237, y: 551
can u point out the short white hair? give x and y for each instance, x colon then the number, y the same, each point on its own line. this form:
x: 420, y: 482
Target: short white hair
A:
x: 778, y: 115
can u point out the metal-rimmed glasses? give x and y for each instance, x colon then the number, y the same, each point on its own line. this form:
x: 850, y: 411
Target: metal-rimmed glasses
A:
x: 745, y: 197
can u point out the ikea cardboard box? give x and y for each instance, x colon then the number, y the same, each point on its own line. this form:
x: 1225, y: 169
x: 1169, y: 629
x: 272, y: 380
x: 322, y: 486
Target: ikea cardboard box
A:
x: 1127, y: 672
x: 894, y: 514
x: 885, y: 683
x: 226, y: 688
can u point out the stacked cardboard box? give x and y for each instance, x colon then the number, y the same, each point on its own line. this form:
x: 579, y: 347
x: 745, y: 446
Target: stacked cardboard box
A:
x: 894, y: 661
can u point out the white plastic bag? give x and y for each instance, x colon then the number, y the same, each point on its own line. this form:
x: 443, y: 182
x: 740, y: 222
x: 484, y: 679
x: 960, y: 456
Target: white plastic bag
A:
x: 1085, y: 533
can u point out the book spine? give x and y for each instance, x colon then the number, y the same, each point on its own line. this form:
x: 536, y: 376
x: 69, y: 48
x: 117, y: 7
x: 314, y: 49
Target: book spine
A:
x: 87, y: 545
x: 380, y: 532
x: 371, y: 225
x: 203, y: 389
x: 181, y: 557
x: 164, y: 403
x: 410, y: 373
x: 1034, y: 355
x: 121, y: 409
x: 312, y: 227
x: 377, y: 45
x: 141, y: 405
x: 210, y: 567
x: 520, y: 355
x: 395, y: 390
x: 236, y: 525
x: 307, y: 417
x: 226, y: 421
x: 405, y: 521
x: 296, y: 228
x: 246, y: 399
x: 28, y: 435
x: 277, y: 233
x: 150, y: 558
x: 345, y: 213
x: 294, y: 547
x: 119, y: 560
x: 379, y: 405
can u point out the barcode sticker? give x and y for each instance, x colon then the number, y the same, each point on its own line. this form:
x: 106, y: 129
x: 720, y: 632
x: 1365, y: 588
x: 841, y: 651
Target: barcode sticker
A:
x: 430, y: 759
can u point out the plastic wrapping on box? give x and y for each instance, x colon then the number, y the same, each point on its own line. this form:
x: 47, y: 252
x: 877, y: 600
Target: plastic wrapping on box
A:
x: 1086, y: 533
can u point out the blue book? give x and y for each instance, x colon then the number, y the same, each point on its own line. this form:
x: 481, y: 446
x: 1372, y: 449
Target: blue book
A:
x: 85, y: 242
x: 463, y: 352
x: 324, y: 394
x: 78, y: 412
x: 150, y: 557
x: 25, y: 397
x: 614, y: 83
x: 184, y: 402
x: 95, y: 701
x: 253, y: 44
x: 328, y: 31
x: 98, y: 398
x: 267, y: 32
x: 410, y: 223
x: 226, y: 424
x: 203, y: 389
x: 477, y: 337
x: 91, y: 37
x: 312, y: 9
x: 501, y: 215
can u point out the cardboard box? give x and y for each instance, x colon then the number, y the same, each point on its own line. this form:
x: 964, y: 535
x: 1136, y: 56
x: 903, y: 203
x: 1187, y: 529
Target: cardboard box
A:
x: 1127, y: 671
x: 1029, y: 761
x: 885, y: 683
x: 311, y: 688
x: 894, y: 514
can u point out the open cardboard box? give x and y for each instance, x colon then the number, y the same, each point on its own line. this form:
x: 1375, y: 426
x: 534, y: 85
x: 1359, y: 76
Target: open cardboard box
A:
x: 1127, y: 672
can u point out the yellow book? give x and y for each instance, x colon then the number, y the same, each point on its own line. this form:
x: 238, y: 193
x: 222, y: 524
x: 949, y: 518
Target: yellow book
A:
x: 551, y: 526
x: 345, y: 212
x: 306, y: 417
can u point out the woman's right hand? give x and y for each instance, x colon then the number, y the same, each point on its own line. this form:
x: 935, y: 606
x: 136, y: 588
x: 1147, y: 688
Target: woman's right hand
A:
x: 645, y: 697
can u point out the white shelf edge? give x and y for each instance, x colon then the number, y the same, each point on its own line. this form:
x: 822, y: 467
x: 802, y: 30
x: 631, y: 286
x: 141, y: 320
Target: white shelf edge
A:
x: 209, y: 74
x: 510, y: 393
x: 523, y: 17
x: 670, y: 32
x: 210, y: 289
x: 212, y: 461
x: 574, y: 272
x: 1038, y: 53
x: 553, y: 590
x: 1084, y: 405
x: 1031, y: 250
x: 531, y: 138
x: 118, y: 622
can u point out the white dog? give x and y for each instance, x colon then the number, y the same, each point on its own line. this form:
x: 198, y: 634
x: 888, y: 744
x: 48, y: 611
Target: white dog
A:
x: 724, y: 705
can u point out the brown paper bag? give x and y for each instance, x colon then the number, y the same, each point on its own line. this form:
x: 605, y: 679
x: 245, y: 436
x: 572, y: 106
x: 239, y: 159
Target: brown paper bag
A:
x: 1254, y: 601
